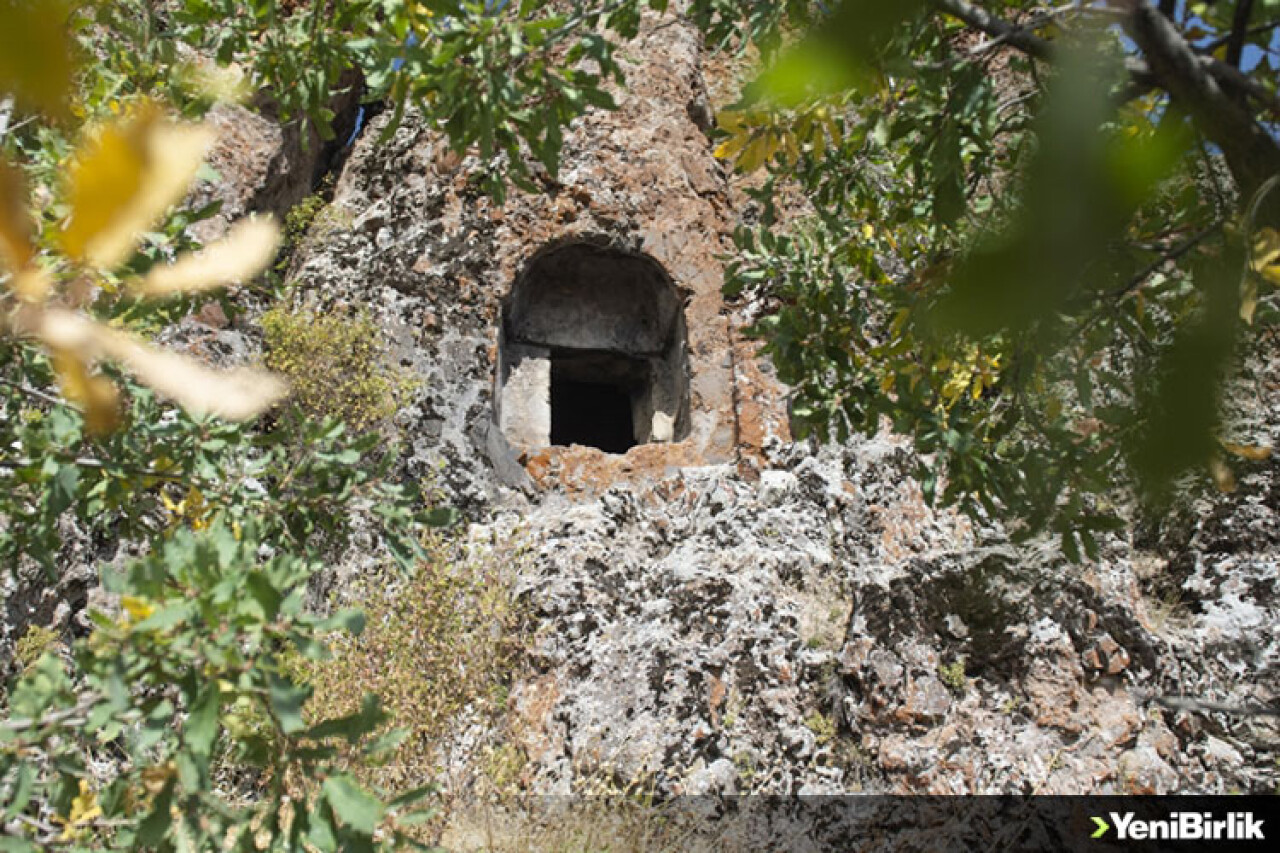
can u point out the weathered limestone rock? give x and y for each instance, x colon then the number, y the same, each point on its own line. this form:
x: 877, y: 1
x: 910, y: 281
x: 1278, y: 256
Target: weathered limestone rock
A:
x: 266, y: 166
x: 415, y: 242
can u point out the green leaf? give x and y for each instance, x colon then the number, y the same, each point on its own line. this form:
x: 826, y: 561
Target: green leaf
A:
x: 155, y: 826
x: 202, y: 723
x: 410, y: 797
x: 442, y: 517
x: 382, y: 746
x: 163, y: 620
x: 62, y: 487
x: 320, y: 832
x: 309, y: 647
x: 353, y: 726
x: 353, y: 805
x: 287, y: 700
x: 157, y: 724
x: 263, y: 592
x: 22, y: 789
x: 350, y: 620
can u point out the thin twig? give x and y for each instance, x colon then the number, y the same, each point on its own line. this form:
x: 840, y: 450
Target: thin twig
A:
x: 1011, y: 34
x: 34, y: 393
x: 1252, y: 31
x: 96, y: 464
x: 1239, y: 32
x: 1172, y: 255
x: 74, y: 715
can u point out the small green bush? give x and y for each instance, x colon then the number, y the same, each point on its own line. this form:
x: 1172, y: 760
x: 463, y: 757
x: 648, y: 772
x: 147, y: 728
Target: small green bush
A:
x: 335, y: 364
x: 953, y: 675
x: 32, y: 645
x: 300, y: 217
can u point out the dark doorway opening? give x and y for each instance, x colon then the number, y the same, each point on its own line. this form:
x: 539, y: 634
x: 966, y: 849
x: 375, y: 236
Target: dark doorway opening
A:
x: 591, y: 413
x: 592, y: 351
x: 591, y: 400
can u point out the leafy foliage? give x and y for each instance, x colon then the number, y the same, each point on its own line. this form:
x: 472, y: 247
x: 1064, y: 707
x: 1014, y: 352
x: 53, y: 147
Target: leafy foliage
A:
x: 1030, y: 264
x: 233, y: 519
x: 205, y: 623
x: 502, y: 77
x: 34, y: 644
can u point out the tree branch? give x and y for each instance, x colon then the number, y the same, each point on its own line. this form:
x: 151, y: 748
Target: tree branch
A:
x: 1251, y: 154
x: 1252, y: 31
x: 1166, y: 257
x: 1200, y: 84
x: 94, y: 464
x: 67, y: 717
x: 998, y: 28
x: 1232, y: 76
x: 34, y: 393
x: 1239, y: 29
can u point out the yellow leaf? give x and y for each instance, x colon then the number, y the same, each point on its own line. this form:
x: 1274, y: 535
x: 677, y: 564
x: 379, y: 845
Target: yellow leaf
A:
x: 1248, y: 298
x: 96, y: 395
x: 194, y: 509
x: 790, y: 147
x: 773, y: 144
x: 155, y: 778
x: 1265, y: 261
x: 899, y: 322
x: 237, y: 394
x: 732, y: 146
x: 833, y: 130
x: 243, y: 253
x: 32, y: 284
x: 1254, y: 453
x: 84, y: 809
x: 137, y: 608
x: 35, y: 54
x: 818, y: 140
x: 124, y: 178
x: 1266, y: 247
x: 730, y: 121
x: 15, y: 220
x: 174, y: 508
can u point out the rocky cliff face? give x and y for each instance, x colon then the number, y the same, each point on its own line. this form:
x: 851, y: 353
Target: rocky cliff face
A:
x: 735, y: 612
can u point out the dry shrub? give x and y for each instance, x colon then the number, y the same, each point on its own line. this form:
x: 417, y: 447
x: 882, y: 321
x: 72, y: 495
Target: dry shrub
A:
x: 588, y: 824
x: 439, y: 641
x: 335, y: 364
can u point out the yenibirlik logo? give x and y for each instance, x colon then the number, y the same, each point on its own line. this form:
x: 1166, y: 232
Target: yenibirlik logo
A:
x: 1182, y: 826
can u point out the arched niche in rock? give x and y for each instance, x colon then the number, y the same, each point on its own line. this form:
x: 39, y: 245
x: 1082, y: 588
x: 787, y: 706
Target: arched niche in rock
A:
x: 592, y: 351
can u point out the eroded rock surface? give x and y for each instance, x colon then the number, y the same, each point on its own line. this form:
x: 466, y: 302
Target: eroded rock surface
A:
x: 821, y: 630
x: 734, y: 612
